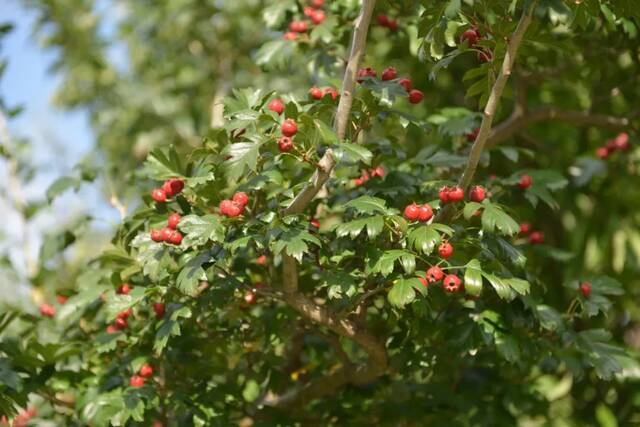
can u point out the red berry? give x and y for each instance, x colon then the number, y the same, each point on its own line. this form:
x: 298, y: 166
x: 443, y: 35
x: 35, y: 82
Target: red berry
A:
x: 477, y: 194
x: 484, y: 56
x: 111, y: 329
x: 61, y: 299
x: 159, y: 195
x: 389, y: 74
x: 379, y: 172
x: 416, y: 96
x: 366, y: 72
x: 383, y: 20
x: 175, y: 238
x: 445, y: 250
x: 332, y: 92
x: 585, y: 289
x: 261, y: 260
x: 602, y: 152
x: 456, y: 194
x: 525, y: 228
x: 315, y: 223
x: 423, y: 281
x: 318, y: 17
x: 358, y: 182
x: 146, y: 371
x: 234, y: 210
x: 173, y: 186
x: 165, y: 234
x: 405, y: 82
x: 156, y: 235
x: 174, y: 220
x: 308, y: 11
x: 622, y: 141
x: 289, y: 127
x: 224, y: 207
x: 317, y: 3
x: 298, y: 27
x: 536, y: 238
x: 47, y: 310
x: 276, y: 105
x: 250, y: 297
x: 425, y: 213
x: 315, y: 93
x: 124, y: 314
x: 120, y: 323
x: 136, y: 381
x: 290, y: 36
x: 285, y: 144
x: 471, y: 136
x: 434, y: 274
x: 393, y: 25
x: 471, y: 36
x: 241, y: 198
x: 525, y: 182
x: 124, y: 289
x: 452, y: 283
x: 444, y: 194
x: 412, y: 212
x: 159, y: 310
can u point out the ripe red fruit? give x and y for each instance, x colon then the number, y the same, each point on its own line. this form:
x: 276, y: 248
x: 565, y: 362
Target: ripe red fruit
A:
x: 315, y: 223
x: 289, y: 127
x: 285, y: 144
x: 423, y: 281
x: 276, y: 105
x: 471, y: 136
x: 308, y: 11
x: 120, y: 323
x: 175, y: 238
x: 111, y: 329
x: 412, y: 212
x: 443, y: 194
x: 158, y: 195
x: 47, y: 310
x: 318, y: 17
x: 622, y: 141
x: 405, y: 82
x: 261, y: 260
x: 315, y: 93
x: 124, y: 289
x: 536, y: 238
x: 434, y: 274
x: 165, y: 234
x: 378, y: 171
x: 383, y: 20
x: 477, y: 194
x: 317, y: 3
x: 389, y: 74
x: 416, y: 96
x: 159, y: 310
x: 393, y: 25
x: 425, y: 213
x: 456, y: 194
x: 290, y: 36
x: 298, y: 26
x: 173, y: 186
x: 234, y: 210
x: 332, y: 92
x: 445, y: 250
x: 602, y: 152
x: 124, y: 314
x: 484, y: 56
x: 358, y: 182
x: 366, y: 72
x: 224, y: 207
x: 585, y: 289
x: 250, y: 297
x: 525, y: 228
x: 146, y: 371
x: 471, y: 36
x: 136, y: 381
x: 156, y: 235
x: 525, y: 182
x: 174, y: 220
x: 241, y: 198
x: 452, y: 283
x: 61, y: 299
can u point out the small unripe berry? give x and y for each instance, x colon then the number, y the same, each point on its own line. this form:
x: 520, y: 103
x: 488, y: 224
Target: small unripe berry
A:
x: 456, y: 194
x: 525, y: 228
x: 585, y: 289
x: 389, y: 74
x: 425, y: 213
x: 315, y: 93
x: 405, y: 82
x: 241, y: 198
x: 276, y: 105
x: 159, y: 310
x: 445, y: 250
x: 289, y: 127
x: 536, y: 238
x: 156, y: 235
x: 416, y: 96
x: 412, y: 212
x: 285, y: 144
x: 47, y: 310
x: 174, y: 220
x: 175, y: 238
x: 165, y: 234
x: 477, y: 194
x: 124, y: 289
x: 452, y: 283
x: 136, y: 381
x: 525, y: 182
x: 158, y: 195
x: 146, y: 371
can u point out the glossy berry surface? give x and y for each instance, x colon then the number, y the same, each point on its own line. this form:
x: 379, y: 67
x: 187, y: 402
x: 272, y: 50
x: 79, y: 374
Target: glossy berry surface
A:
x: 146, y: 371
x: 415, y: 96
x: 136, y: 381
x: 241, y: 198
x: 443, y: 194
x: 173, y: 220
x: 158, y: 195
x: 536, y: 238
x: 156, y: 235
x: 405, y: 82
x: 159, y: 310
x: 315, y: 93
x: 434, y: 274
x: 289, y: 127
x: 285, y: 144
x: 451, y: 283
x: 585, y: 289
x: 477, y: 194
x: 445, y: 250
x: 276, y: 105
x: 389, y: 74
x: 425, y: 213
x: 411, y: 212
x: 456, y: 194
x: 525, y: 182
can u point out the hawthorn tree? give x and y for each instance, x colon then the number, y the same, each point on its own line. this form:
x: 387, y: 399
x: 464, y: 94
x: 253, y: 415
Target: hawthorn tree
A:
x: 434, y: 224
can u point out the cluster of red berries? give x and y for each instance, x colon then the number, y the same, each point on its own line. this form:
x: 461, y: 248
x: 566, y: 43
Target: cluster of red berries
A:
x: 472, y: 36
x: 366, y: 175
x: 317, y: 93
x: 20, y: 420
x: 47, y: 310
x: 619, y: 143
x: 450, y: 283
x: 535, y: 237
x: 415, y: 96
x: 422, y: 213
x: 120, y: 322
x: 314, y: 12
x: 456, y: 194
x: 288, y: 129
x: 169, y: 234
x: 386, y: 22
x: 170, y: 188
x: 145, y: 371
x: 525, y: 181
x: 234, y: 207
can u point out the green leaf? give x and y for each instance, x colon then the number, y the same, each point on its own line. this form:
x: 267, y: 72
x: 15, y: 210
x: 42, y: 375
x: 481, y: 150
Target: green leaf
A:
x: 403, y: 291
x: 473, y: 278
x: 153, y: 257
x: 61, y: 185
x: 294, y: 243
x: 251, y: 391
x: 346, y: 151
x: 201, y: 229
x: 426, y: 237
x: 192, y: 273
x: 170, y: 327
x: 385, y: 262
x: 494, y: 218
x: 374, y: 225
x: 162, y: 164
x: 502, y: 289
x: 242, y: 155
x: 471, y: 208
x: 368, y: 205
x: 116, y: 304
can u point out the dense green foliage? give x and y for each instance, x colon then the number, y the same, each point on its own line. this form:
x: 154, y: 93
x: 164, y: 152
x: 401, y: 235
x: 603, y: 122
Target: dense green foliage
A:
x: 520, y: 343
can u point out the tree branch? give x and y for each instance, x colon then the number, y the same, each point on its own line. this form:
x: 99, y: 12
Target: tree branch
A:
x: 491, y: 106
